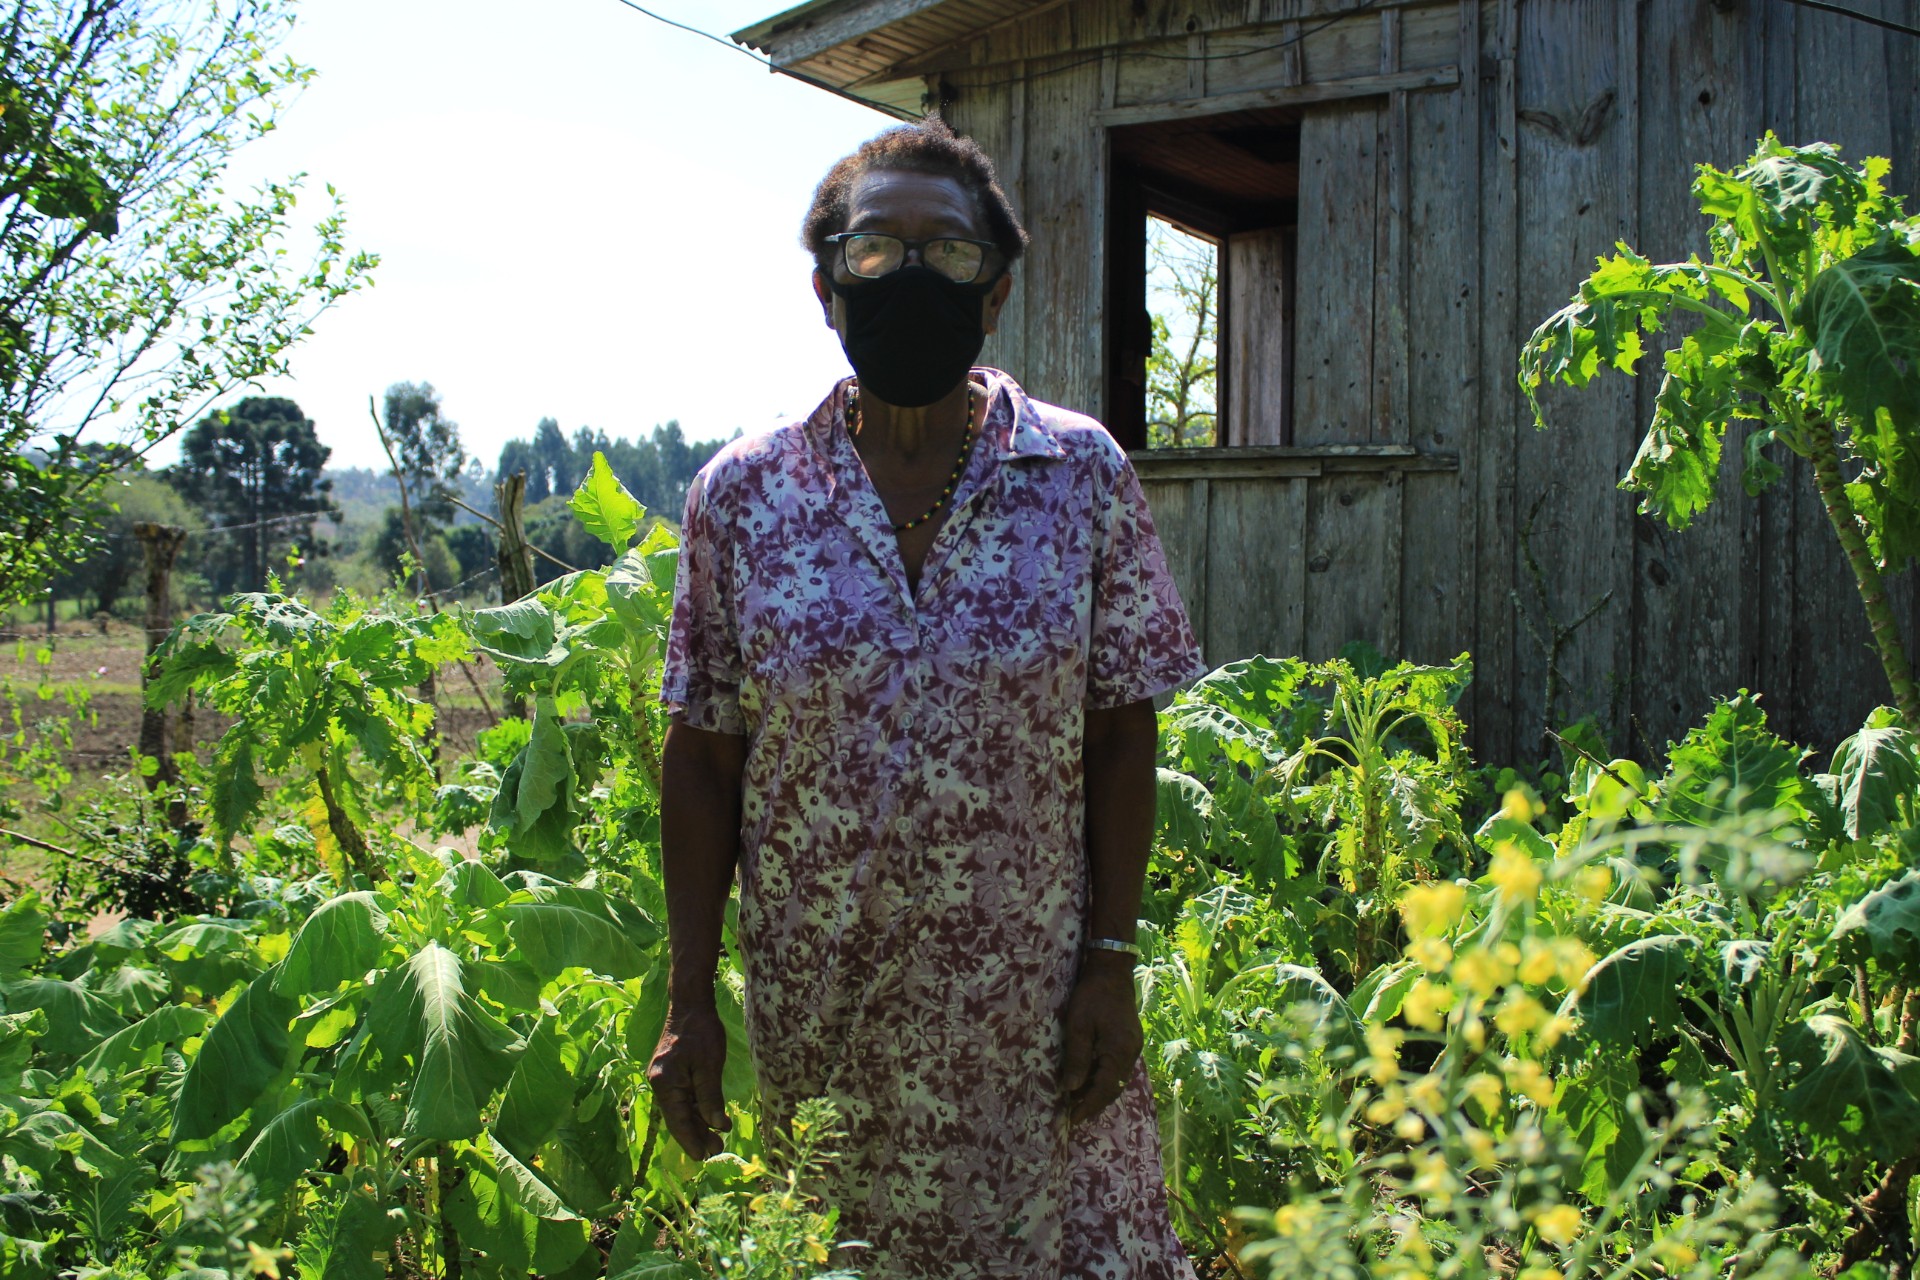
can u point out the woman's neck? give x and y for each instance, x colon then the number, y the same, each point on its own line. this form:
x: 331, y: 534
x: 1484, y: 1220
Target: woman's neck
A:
x: 909, y: 433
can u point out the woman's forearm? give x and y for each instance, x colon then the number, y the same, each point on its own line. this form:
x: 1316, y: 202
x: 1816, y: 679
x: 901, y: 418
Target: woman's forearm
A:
x: 1119, y: 763
x: 701, y: 777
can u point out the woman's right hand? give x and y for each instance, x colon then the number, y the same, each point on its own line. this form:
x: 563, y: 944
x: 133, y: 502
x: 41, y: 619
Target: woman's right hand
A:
x: 685, y: 1075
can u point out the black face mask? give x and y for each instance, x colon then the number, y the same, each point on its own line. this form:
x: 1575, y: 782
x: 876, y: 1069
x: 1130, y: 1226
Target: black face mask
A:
x: 911, y: 335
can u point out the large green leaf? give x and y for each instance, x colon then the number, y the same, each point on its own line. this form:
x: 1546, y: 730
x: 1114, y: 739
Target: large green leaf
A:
x: 294, y: 1141
x: 1633, y: 995
x: 1863, y: 314
x: 1184, y: 811
x: 1885, y: 925
x: 1733, y: 764
x: 104, y: 1204
x: 1874, y: 771
x: 1842, y: 1091
x: 24, y: 1259
x: 240, y: 1057
x: 523, y: 633
x: 23, y: 931
x: 460, y: 1053
x: 235, y: 793
x: 337, y: 943
x: 169, y: 1024
x: 606, y: 509
x: 131, y: 989
x: 524, y: 1185
x: 540, y: 1093
x: 1594, y: 1105
x: 1295, y: 986
x: 546, y: 766
x: 489, y: 1218
x: 77, y: 1019
x: 567, y: 926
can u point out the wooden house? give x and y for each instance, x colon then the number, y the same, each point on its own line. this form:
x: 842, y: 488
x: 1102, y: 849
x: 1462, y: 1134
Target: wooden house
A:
x: 1402, y: 189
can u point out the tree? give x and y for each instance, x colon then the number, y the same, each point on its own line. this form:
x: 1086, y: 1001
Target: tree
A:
x: 134, y: 291
x: 255, y: 469
x: 423, y: 444
x: 1183, y: 367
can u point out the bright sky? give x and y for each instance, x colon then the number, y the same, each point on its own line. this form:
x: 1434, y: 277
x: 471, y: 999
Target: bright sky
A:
x: 581, y: 214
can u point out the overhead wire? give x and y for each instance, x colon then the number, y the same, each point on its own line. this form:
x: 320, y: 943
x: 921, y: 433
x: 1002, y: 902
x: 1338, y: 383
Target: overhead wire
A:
x: 769, y: 63
x: 1872, y: 20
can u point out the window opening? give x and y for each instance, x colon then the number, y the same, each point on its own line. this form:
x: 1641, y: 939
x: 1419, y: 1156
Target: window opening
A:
x: 1218, y: 192
x: 1183, y: 295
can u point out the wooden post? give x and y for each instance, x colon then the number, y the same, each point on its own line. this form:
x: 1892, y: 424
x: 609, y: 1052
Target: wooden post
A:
x: 161, y: 543
x: 512, y: 553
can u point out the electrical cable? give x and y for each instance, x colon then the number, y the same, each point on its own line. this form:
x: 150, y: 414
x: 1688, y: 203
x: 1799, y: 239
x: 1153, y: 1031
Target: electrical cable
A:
x: 834, y: 89
x: 1827, y: 6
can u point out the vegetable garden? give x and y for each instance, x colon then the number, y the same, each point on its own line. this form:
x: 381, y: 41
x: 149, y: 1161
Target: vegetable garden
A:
x: 380, y: 1011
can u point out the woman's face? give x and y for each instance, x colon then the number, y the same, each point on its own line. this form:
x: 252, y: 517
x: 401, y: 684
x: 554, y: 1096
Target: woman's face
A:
x: 913, y: 206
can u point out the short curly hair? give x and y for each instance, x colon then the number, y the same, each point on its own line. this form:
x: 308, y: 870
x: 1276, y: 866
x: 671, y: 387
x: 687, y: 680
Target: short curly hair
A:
x: 930, y: 146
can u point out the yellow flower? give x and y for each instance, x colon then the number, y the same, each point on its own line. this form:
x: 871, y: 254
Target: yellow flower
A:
x: 816, y: 1252
x: 1486, y: 1090
x: 1480, y: 1147
x: 1410, y: 1127
x: 1514, y: 874
x: 1673, y: 1255
x: 1294, y: 1219
x: 263, y: 1262
x: 1517, y: 806
x: 1432, y: 1177
x: 1574, y: 960
x: 1558, y: 1225
x: 1430, y: 909
x: 1554, y: 1029
x: 1429, y: 1093
x: 1427, y: 1004
x: 1383, y: 1054
x: 1481, y: 971
x: 1537, y: 963
x: 1474, y: 1031
x: 1519, y: 1014
x: 1593, y: 882
x: 1431, y: 954
x: 1388, y: 1107
x: 1539, y: 1273
x: 1530, y: 1081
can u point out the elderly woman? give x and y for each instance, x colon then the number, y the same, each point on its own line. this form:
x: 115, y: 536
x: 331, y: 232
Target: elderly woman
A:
x: 914, y: 645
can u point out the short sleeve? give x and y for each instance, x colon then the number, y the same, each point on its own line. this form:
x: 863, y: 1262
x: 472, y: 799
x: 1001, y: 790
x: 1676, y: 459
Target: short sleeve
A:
x: 1142, y: 644
x: 700, y: 676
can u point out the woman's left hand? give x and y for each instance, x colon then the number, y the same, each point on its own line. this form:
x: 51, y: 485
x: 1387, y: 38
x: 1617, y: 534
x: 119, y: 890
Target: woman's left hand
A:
x: 1103, y: 1035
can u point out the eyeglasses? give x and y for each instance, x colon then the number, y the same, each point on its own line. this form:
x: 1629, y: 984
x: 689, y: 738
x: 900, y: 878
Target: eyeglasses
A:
x: 870, y: 254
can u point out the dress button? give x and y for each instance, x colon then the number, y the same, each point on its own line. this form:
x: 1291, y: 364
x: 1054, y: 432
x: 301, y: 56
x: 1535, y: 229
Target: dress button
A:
x: 906, y: 720
x: 903, y: 824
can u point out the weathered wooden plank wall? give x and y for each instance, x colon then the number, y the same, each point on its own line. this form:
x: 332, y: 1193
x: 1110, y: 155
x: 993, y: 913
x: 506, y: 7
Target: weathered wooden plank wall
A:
x: 1436, y: 228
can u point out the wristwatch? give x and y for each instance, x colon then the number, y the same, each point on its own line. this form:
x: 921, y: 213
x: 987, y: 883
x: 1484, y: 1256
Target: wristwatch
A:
x: 1111, y: 944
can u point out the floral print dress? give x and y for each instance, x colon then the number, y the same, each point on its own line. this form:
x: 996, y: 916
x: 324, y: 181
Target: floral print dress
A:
x: 913, y: 871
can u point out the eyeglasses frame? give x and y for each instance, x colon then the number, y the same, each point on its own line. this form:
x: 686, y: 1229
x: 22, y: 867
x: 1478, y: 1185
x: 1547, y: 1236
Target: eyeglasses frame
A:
x: 840, y: 239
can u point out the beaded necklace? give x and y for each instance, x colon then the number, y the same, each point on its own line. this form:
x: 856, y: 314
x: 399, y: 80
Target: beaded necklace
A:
x: 855, y: 422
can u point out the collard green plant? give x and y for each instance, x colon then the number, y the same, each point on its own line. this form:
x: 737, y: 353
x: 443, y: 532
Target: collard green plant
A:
x: 1800, y: 329
x: 318, y: 696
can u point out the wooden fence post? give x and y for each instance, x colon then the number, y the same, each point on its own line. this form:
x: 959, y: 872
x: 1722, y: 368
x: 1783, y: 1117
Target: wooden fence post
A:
x: 161, y: 543
x: 513, y: 555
